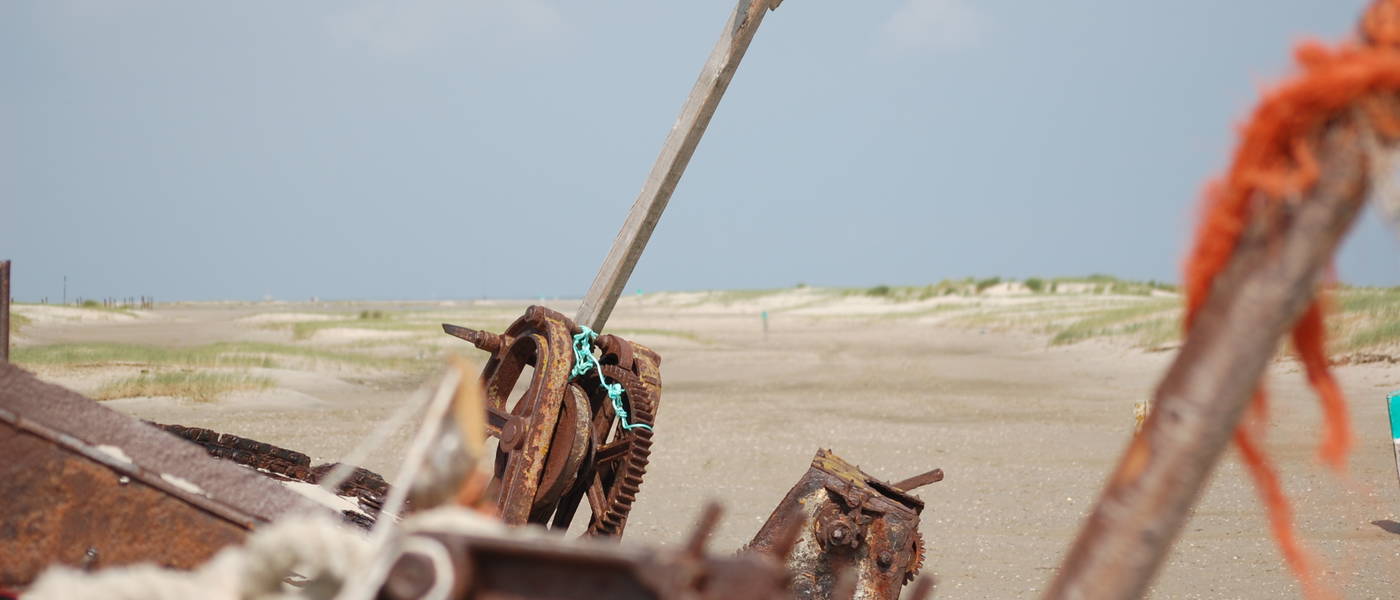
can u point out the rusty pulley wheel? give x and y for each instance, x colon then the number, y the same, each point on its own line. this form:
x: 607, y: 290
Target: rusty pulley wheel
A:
x: 543, y: 433
x: 561, y: 440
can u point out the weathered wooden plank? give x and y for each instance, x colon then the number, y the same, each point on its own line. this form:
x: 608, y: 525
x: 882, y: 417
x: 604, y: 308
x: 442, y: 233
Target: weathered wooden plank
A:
x: 4, y: 311
x: 670, y: 165
x: 1269, y: 281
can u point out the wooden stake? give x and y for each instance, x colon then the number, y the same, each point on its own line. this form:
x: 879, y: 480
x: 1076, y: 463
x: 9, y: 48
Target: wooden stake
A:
x: 670, y: 165
x: 1272, y: 277
x: 4, y: 311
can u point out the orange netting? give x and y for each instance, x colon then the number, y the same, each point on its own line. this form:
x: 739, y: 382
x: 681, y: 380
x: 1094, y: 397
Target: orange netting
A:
x: 1274, y: 163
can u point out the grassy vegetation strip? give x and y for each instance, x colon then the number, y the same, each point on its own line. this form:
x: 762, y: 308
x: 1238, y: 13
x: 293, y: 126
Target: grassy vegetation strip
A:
x: 1367, y: 319
x: 1116, y: 321
x: 1377, y: 336
x: 18, y: 322
x: 305, y: 330
x: 1380, y: 302
x: 200, y: 387
x: 626, y: 333
x: 223, y: 354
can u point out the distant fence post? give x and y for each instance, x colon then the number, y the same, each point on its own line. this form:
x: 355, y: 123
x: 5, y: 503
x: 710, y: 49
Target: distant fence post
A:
x: 4, y: 311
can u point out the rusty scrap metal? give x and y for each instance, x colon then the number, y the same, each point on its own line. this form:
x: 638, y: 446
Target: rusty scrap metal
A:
x: 493, y: 567
x: 1279, y: 262
x: 365, y: 487
x: 862, y: 533
x: 86, y: 486
x: 561, y: 441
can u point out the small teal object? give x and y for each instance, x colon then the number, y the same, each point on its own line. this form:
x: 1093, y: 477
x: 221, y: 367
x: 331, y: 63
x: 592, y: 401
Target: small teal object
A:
x: 1395, y: 417
x: 1394, y: 406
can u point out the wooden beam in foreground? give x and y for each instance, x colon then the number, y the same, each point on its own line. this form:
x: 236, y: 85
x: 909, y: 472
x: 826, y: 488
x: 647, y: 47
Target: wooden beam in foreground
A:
x: 1270, y: 280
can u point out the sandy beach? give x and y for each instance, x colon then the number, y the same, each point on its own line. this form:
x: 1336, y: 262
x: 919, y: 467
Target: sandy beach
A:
x: 1025, y: 430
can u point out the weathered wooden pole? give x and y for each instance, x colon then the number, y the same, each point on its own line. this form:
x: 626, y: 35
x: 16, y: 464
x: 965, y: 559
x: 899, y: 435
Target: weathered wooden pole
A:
x: 4, y: 311
x: 1272, y: 277
x: 675, y: 155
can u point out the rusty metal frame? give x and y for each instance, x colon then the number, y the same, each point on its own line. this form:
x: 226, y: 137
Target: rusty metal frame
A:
x: 129, y: 469
x: 857, y: 536
x: 87, y: 486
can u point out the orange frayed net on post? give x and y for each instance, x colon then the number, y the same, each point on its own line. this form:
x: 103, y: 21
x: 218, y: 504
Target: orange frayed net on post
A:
x: 1274, y: 163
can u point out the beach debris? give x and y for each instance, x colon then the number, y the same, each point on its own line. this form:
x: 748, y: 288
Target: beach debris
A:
x: 581, y: 431
x: 529, y: 567
x: 86, y: 486
x: 861, y: 533
x: 576, y: 433
x: 446, y: 553
x: 364, y: 490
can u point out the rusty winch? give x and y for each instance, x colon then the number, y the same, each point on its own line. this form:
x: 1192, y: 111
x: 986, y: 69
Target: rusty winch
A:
x: 567, y: 437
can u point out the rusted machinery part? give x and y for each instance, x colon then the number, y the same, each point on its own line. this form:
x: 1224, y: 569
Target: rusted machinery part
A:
x: 244, y: 451
x: 561, y: 442
x: 544, y: 431
x: 618, y: 456
x: 86, y: 486
x: 491, y: 568
x: 368, y: 488
x: 862, y: 540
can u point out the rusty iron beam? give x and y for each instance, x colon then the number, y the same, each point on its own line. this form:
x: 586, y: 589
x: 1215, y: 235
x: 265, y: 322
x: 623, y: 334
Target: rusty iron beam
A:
x: 1274, y: 274
x: 675, y: 154
x: 920, y: 480
x: 524, y: 568
x: 484, y: 340
x: 4, y: 311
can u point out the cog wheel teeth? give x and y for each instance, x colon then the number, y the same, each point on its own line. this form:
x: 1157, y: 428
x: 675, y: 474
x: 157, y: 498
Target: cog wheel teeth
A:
x: 917, y: 562
x: 627, y: 480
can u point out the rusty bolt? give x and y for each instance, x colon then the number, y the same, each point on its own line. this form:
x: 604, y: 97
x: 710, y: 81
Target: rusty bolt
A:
x: 512, y: 433
x: 834, y: 528
x: 840, y: 533
x: 885, y: 559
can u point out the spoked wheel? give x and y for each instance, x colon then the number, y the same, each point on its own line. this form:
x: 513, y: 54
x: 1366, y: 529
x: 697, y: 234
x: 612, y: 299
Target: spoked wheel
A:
x: 543, y: 434
x: 562, y: 440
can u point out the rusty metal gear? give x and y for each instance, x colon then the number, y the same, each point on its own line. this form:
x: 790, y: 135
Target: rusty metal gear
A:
x: 916, y: 561
x: 619, y: 451
x: 621, y: 454
x: 562, y: 440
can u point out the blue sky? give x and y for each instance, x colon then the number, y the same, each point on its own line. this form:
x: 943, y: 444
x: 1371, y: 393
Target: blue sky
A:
x: 470, y: 148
